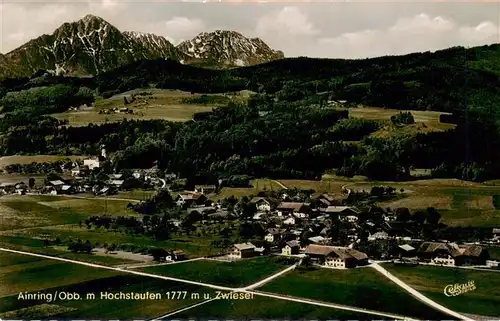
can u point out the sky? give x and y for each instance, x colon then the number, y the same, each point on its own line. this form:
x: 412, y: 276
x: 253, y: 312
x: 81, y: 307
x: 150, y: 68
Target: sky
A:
x: 338, y: 29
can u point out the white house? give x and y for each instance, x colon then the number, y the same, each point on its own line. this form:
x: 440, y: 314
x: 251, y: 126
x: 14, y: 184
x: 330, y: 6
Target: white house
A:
x: 242, y: 250
x: 378, y: 236
x: 261, y: 203
x: 273, y: 234
x: 295, y: 208
x: 289, y: 221
x: 336, y: 257
x: 291, y: 248
x: 93, y: 162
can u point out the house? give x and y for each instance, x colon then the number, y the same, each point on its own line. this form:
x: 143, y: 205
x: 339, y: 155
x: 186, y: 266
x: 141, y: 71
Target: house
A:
x: 178, y: 255
x: 77, y: 171
x: 295, y: 208
x: 205, y: 189
x: 137, y: 174
x: 492, y: 264
x: 451, y: 254
x: 104, y: 191
x: 289, y: 221
x: 94, y: 162
x: 324, y: 200
x: 174, y: 256
x: 116, y: 183
x: 261, y: 251
x: 336, y: 256
x: 317, y: 239
x: 342, y: 211
x: 378, y: 236
x: 56, y: 183
x: 21, y: 188
x: 190, y: 199
x: 242, y: 250
x: 398, y: 228
x: 261, y: 203
x: 203, y: 210
x: 291, y: 248
x: 406, y: 251
x: 115, y: 176
x: 67, y: 189
x: 496, y: 233
x: 273, y: 234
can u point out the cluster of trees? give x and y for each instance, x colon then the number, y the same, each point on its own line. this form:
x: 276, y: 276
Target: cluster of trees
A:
x: 159, y: 203
x: 80, y: 247
x: 159, y: 227
x: 46, y: 100
x: 39, y: 168
x: 403, y: 118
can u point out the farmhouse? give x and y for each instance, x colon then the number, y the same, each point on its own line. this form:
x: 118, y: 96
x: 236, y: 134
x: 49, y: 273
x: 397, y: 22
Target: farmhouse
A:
x: 290, y: 248
x: 378, y: 236
x: 67, y: 189
x: 190, y: 199
x: 343, y: 211
x: 94, y: 162
x: 324, y: 200
x: 77, y: 171
x: 178, y: 255
x: 297, y: 209
x: 336, y: 257
x: 242, y: 250
x: 261, y: 203
x: 273, y: 234
x: 317, y: 239
x: 496, y: 233
x: 116, y: 183
x: 451, y: 254
x: 21, y: 188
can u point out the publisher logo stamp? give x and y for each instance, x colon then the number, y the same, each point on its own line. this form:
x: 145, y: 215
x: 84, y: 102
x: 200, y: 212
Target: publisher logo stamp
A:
x: 457, y: 289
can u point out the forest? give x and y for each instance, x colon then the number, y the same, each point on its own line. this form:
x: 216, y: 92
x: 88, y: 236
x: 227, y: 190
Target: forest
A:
x: 286, y: 129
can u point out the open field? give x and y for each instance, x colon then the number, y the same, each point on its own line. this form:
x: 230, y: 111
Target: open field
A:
x: 18, y: 178
x: 161, y: 104
x: 35, y: 245
x: 48, y: 276
x: 363, y: 287
x: 425, y: 121
x: 193, y: 246
x: 38, y: 274
x: 24, y: 159
x: 431, y: 281
x: 137, y: 194
x: 234, y: 274
x: 263, y: 307
x: 257, y: 185
x: 23, y: 211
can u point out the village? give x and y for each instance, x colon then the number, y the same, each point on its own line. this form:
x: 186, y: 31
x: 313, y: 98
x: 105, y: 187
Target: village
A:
x: 317, y: 228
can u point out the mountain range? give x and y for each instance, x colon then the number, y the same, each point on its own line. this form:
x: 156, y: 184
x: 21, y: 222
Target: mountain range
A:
x: 92, y: 45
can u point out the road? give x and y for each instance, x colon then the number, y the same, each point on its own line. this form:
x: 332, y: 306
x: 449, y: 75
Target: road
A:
x: 98, y: 266
x: 88, y: 197
x: 417, y: 294
x: 279, y: 183
x: 217, y: 287
x: 159, y: 264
